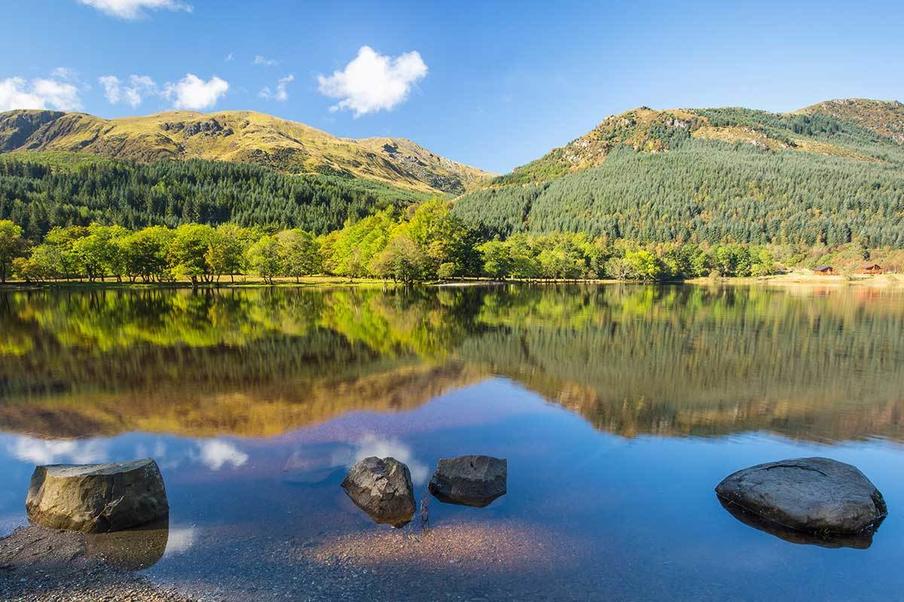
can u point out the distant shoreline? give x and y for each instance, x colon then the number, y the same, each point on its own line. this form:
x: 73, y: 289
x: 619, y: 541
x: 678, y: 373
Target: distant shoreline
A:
x: 791, y: 279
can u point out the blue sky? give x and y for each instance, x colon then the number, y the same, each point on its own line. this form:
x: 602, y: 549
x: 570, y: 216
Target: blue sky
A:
x: 493, y: 84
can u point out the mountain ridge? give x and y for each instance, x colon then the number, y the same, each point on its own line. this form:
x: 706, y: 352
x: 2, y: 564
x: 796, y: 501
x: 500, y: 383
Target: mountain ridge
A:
x: 238, y: 136
x: 827, y: 174
x: 646, y: 129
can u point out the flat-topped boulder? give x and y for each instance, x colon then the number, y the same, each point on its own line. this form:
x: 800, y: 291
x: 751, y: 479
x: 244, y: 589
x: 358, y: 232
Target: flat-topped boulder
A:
x: 382, y: 488
x: 811, y: 495
x: 470, y: 480
x: 97, y: 498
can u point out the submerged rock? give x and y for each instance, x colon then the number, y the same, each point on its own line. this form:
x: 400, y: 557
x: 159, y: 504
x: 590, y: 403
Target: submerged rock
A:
x: 382, y: 488
x: 861, y: 541
x: 469, y: 480
x: 97, y: 498
x: 132, y: 549
x: 810, y: 495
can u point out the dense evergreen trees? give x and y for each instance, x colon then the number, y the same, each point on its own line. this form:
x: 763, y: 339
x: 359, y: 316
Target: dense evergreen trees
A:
x: 707, y: 192
x: 40, y: 192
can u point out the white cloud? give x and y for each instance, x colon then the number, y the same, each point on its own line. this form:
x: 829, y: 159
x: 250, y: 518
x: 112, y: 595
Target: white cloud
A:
x: 139, y: 87
x: 262, y: 60
x: 280, y: 94
x: 230, y: 57
x: 216, y: 454
x: 373, y: 82
x: 54, y: 93
x: 43, y: 451
x: 134, y: 9
x: 193, y: 93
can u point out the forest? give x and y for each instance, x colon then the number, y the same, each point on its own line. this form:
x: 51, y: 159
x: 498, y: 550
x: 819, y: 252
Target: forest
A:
x: 695, y: 208
x: 423, y: 243
x: 707, y: 192
x: 41, y: 191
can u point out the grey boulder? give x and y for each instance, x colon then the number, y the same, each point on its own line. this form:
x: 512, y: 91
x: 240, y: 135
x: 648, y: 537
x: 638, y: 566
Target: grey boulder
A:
x: 97, y: 498
x: 470, y: 480
x: 811, y: 495
x: 382, y: 488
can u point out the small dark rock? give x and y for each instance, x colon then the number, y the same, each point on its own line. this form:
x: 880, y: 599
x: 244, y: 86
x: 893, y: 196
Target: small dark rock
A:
x: 382, y: 488
x: 469, y: 480
x: 811, y: 495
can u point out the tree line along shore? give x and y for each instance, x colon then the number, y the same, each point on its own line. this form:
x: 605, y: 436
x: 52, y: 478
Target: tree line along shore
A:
x: 425, y: 243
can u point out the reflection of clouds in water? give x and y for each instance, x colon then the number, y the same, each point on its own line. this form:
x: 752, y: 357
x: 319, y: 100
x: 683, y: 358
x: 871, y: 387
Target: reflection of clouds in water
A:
x: 40, y: 451
x: 216, y: 454
x: 181, y: 539
x: 381, y: 447
x: 157, y: 451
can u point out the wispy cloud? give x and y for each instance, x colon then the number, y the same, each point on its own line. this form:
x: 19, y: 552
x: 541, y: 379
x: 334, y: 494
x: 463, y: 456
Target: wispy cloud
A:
x: 373, y: 82
x: 262, y: 60
x: 134, y: 9
x: 280, y: 93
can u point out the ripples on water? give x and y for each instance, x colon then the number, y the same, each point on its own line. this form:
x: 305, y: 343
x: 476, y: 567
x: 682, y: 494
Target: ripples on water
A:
x: 618, y: 408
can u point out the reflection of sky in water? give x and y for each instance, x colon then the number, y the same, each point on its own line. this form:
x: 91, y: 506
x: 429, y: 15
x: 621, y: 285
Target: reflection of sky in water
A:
x: 641, y: 510
x: 41, y: 451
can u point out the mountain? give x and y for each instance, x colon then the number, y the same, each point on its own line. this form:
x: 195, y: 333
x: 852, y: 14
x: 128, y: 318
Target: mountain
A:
x: 827, y: 174
x: 238, y: 136
x: 883, y: 118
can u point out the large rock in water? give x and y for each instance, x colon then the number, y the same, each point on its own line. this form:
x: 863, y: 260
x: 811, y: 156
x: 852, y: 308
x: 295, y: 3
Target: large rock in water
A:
x: 97, y: 498
x: 470, y: 480
x: 813, y: 495
x: 382, y: 488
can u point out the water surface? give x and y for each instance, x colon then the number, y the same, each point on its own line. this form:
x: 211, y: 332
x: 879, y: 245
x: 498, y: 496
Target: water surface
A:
x: 618, y: 408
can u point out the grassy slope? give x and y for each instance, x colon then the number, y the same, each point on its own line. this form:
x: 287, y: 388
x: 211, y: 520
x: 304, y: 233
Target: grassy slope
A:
x: 868, y: 129
x: 237, y: 136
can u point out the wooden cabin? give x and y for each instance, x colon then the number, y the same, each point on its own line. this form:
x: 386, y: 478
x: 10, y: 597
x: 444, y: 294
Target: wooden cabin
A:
x: 870, y: 268
x: 824, y: 270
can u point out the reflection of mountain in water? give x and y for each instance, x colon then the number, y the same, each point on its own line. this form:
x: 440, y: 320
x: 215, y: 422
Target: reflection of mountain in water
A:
x: 661, y: 360
x: 263, y: 411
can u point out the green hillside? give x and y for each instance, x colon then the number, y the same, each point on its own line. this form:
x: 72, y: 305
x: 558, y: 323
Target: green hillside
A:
x: 238, y: 137
x: 42, y: 190
x: 828, y: 174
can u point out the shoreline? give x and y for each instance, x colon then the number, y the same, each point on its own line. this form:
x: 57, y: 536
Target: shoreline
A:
x: 37, y: 563
x: 790, y: 279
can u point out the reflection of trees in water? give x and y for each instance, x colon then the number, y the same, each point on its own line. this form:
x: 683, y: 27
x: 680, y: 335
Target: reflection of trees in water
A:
x: 684, y: 360
x: 670, y: 360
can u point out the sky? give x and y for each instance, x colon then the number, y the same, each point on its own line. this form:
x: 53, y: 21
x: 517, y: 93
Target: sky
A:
x: 492, y: 84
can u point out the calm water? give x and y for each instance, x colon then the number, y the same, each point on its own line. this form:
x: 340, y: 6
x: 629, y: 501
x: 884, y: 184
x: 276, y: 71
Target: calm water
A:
x: 618, y: 408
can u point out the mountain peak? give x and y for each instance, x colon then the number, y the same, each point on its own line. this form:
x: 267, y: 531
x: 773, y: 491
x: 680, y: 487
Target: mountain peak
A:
x: 652, y: 130
x: 884, y: 117
x: 237, y: 136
